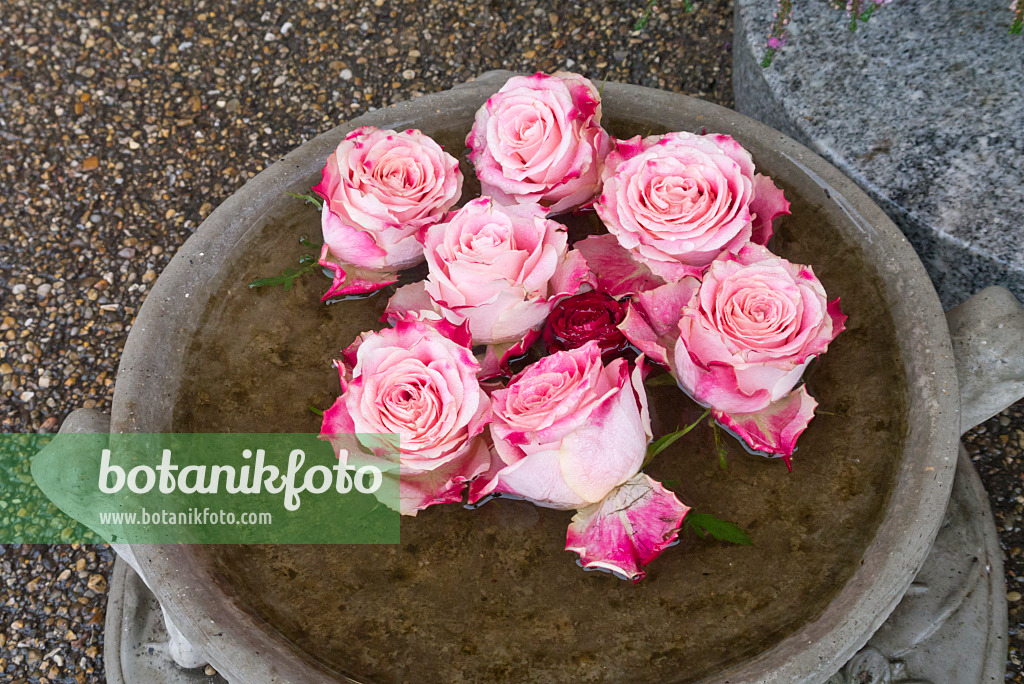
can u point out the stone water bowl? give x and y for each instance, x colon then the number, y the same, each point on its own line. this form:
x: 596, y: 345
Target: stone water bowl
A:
x: 490, y: 595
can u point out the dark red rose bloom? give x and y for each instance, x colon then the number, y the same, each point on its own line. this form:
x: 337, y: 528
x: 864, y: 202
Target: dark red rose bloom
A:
x: 589, y: 316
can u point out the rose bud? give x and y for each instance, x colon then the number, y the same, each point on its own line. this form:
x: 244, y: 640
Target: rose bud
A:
x: 584, y: 317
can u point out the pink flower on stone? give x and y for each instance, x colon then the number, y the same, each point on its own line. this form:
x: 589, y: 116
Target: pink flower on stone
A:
x: 415, y: 382
x: 567, y: 430
x: 499, y: 269
x: 539, y: 140
x: 627, y: 529
x: 380, y: 188
x: 676, y: 201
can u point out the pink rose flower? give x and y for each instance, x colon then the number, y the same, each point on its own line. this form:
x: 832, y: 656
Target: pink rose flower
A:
x: 500, y: 269
x: 676, y: 201
x: 567, y: 430
x: 628, y: 528
x: 420, y: 384
x: 739, y: 340
x: 749, y: 331
x: 380, y: 188
x: 539, y: 140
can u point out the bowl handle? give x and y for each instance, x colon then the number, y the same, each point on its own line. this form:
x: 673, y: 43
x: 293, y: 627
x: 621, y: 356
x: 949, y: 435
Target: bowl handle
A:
x: 987, y: 332
x: 184, y: 654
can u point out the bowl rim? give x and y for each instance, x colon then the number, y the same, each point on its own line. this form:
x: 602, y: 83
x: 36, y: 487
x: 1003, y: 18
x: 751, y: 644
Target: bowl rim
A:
x: 239, y: 643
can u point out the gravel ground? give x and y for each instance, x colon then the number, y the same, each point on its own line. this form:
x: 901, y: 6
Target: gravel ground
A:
x: 123, y: 124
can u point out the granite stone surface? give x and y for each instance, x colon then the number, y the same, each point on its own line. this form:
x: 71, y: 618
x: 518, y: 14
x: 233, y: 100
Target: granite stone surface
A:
x: 922, y: 107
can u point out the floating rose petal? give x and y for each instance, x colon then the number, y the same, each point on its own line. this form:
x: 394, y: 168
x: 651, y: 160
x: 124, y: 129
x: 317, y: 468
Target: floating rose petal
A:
x: 768, y: 204
x: 775, y: 429
x: 352, y: 280
x: 627, y: 529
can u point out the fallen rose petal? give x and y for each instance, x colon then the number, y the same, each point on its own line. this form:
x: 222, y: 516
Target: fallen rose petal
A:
x: 350, y: 280
x: 775, y: 429
x: 408, y: 299
x: 571, y: 276
x: 628, y: 529
x: 663, y: 306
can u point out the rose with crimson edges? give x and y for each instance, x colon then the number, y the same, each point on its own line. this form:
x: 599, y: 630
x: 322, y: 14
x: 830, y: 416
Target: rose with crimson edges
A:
x: 584, y: 317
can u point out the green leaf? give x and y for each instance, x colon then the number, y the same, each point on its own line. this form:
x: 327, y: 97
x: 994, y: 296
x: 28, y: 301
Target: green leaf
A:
x: 641, y: 23
x: 312, y: 199
x: 663, y: 380
x: 704, y: 524
x: 664, y: 442
x: 689, y: 6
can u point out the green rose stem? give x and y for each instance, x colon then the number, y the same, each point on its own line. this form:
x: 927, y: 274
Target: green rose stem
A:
x: 719, y: 444
x: 664, y: 442
x: 307, y: 264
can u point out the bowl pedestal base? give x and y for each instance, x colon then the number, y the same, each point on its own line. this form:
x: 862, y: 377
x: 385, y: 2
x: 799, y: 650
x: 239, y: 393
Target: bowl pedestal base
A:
x: 950, y: 626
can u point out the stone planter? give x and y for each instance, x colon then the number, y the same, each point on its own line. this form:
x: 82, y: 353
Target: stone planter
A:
x: 836, y: 545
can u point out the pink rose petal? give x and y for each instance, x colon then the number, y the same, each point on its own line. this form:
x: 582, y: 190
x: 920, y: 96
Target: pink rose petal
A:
x: 350, y: 280
x: 615, y: 270
x: 768, y: 203
x: 628, y: 529
x: 775, y: 429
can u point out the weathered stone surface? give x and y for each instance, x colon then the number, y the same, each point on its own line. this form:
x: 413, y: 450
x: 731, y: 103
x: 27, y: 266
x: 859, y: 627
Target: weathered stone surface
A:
x: 988, y: 342
x: 922, y: 108
x: 951, y: 624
